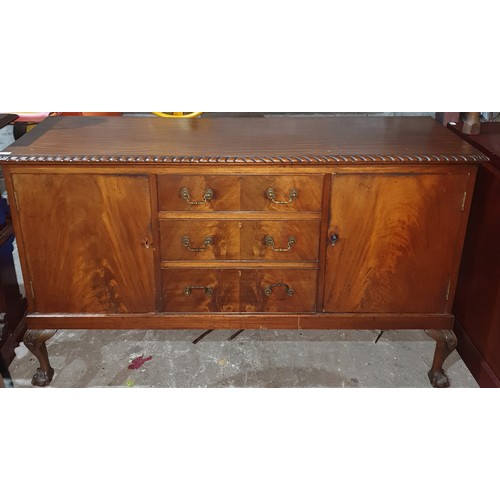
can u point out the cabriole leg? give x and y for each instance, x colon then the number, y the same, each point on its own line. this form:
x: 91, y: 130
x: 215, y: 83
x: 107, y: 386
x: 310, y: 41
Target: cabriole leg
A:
x: 35, y: 340
x: 446, y: 341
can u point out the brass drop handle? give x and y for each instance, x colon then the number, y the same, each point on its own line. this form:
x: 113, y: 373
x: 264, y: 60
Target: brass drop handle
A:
x: 189, y: 290
x: 268, y: 290
x: 186, y: 242
x: 207, y: 196
x: 271, y: 195
x: 269, y: 241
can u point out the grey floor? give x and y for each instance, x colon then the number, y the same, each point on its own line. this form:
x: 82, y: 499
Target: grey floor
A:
x: 259, y: 359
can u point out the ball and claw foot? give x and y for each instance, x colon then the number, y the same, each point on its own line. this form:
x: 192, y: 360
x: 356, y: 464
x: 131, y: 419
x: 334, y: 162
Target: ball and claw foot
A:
x: 439, y: 379
x: 446, y: 341
x: 35, y: 340
x: 42, y: 378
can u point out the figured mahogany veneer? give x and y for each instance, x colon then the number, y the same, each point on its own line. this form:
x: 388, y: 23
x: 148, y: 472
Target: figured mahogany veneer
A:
x: 240, y: 223
x: 239, y: 291
x: 397, y: 246
x: 209, y: 239
x: 88, y: 235
x: 238, y: 193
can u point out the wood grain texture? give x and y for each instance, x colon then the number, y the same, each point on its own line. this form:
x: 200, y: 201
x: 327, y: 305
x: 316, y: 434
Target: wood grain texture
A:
x: 222, y: 285
x: 168, y: 321
x: 398, y: 236
x: 225, y: 236
x: 84, y: 238
x: 474, y: 358
x: 308, y: 187
x: 477, y: 300
x: 237, y: 160
x: 304, y: 233
x: 111, y: 213
x: 153, y: 186
x: 225, y: 188
x: 62, y: 140
x: 241, y: 193
x: 239, y: 240
x: 238, y: 264
x: 235, y: 291
x: 302, y: 284
x: 5, y: 119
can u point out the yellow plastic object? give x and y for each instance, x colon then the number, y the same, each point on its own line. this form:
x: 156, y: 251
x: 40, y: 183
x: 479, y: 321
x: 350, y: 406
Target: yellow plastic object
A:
x: 177, y: 114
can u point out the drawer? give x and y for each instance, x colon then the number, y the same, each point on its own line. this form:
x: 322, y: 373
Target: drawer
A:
x: 199, y: 240
x: 246, y: 291
x: 248, y: 193
x: 198, y: 193
x: 212, y: 239
x: 282, y: 193
x: 280, y: 240
x: 278, y: 290
x: 201, y: 290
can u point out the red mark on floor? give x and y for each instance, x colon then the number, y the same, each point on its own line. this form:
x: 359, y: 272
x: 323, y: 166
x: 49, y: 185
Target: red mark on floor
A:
x: 138, y: 362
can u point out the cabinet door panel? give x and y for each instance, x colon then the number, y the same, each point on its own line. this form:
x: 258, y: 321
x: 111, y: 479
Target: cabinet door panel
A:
x: 397, y: 239
x: 87, y: 242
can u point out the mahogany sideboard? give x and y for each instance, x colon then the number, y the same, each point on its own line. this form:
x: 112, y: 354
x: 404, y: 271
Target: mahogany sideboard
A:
x: 477, y: 301
x: 297, y: 223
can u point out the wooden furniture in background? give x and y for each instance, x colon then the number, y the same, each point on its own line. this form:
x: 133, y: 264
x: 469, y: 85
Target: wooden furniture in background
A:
x: 6, y: 119
x: 447, y: 116
x: 128, y: 222
x: 477, y: 302
x: 472, y: 124
x: 12, y: 304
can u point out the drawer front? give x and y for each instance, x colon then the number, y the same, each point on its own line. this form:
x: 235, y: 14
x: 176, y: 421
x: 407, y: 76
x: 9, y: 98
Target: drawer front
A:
x: 201, y: 290
x: 248, y: 193
x: 278, y: 290
x: 282, y: 193
x: 198, y: 193
x: 199, y: 240
x: 245, y: 291
x: 280, y: 240
x: 212, y: 239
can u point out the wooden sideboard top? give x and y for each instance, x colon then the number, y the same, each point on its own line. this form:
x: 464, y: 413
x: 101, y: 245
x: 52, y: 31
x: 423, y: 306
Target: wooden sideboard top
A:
x: 241, y: 140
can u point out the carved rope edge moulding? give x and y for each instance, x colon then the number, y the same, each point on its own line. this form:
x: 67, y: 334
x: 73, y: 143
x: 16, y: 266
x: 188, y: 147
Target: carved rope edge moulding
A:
x: 309, y: 159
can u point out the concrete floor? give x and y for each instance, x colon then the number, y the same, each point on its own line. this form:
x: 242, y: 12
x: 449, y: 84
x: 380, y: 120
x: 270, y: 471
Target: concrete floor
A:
x: 259, y: 359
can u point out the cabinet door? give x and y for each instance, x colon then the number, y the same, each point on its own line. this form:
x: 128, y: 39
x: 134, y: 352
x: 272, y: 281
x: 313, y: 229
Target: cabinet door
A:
x: 396, y: 239
x: 87, y: 242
